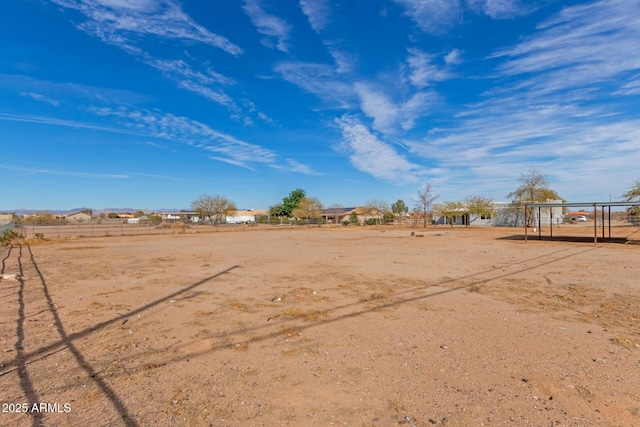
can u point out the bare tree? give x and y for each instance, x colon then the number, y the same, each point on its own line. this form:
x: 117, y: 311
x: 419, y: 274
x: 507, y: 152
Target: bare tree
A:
x: 213, y: 208
x: 376, y: 209
x: 633, y: 195
x: 335, y: 209
x: 449, y: 210
x: 534, y: 188
x: 308, y: 208
x: 478, y: 206
x: 425, y: 201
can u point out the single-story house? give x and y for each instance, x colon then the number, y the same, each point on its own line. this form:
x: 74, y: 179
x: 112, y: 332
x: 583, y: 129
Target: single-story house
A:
x: 340, y: 215
x: 179, y: 216
x: 78, y: 217
x: 506, y: 214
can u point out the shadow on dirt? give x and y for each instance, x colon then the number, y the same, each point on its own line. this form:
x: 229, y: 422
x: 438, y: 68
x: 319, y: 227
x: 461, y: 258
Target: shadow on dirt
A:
x: 66, y: 341
x: 569, y: 239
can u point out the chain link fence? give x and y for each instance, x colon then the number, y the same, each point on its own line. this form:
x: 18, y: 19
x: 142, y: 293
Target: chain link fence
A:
x: 51, y: 231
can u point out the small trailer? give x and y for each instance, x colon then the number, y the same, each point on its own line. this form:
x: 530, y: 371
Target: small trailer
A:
x: 241, y: 219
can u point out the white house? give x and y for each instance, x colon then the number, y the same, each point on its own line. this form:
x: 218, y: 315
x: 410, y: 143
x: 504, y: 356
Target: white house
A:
x: 508, y: 214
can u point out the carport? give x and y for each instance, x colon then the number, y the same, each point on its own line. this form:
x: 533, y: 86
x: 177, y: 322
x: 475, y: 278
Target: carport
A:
x: 594, y: 205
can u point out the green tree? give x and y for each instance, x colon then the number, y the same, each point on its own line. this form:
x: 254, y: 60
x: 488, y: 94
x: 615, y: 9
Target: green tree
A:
x: 425, y: 201
x: 534, y: 188
x: 138, y: 214
x: 353, y: 218
x: 154, y: 217
x: 449, y: 210
x: 290, y: 202
x: 376, y: 209
x: 308, y: 208
x: 213, y: 208
x: 112, y: 215
x: 478, y: 206
x: 399, y: 209
x: 8, y: 236
x: 277, y: 210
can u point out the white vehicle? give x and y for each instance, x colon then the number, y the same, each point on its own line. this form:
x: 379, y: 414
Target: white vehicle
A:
x: 579, y: 218
x: 241, y: 219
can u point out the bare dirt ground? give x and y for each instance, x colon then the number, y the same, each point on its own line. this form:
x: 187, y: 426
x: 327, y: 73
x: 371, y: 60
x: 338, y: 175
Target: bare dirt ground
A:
x: 315, y: 327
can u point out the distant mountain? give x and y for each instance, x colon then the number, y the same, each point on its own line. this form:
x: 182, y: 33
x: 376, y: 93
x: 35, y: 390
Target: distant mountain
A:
x: 96, y: 212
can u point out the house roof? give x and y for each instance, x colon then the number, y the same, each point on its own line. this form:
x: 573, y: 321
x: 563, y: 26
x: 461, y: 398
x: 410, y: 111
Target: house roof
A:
x: 361, y: 210
x: 337, y: 210
x: 78, y: 213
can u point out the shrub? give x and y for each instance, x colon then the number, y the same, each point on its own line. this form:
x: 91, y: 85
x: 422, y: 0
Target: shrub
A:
x: 8, y: 236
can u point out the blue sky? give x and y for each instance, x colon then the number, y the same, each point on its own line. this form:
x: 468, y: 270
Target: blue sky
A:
x: 150, y: 103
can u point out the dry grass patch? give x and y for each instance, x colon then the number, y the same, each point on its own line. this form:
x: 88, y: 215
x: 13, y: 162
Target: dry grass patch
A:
x: 295, y: 313
x: 237, y: 305
x: 204, y: 313
x: 632, y: 343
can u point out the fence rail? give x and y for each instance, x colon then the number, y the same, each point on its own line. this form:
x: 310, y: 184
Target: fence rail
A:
x: 48, y: 231
x: 5, y: 227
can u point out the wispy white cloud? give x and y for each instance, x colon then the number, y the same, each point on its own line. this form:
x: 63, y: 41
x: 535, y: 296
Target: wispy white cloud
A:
x: 40, y: 98
x: 319, y: 79
x: 75, y: 174
x: 501, y: 9
x: 369, y: 154
x: 437, y: 16
x: 182, y: 69
x: 276, y: 30
x: 388, y: 115
x: 497, y: 141
x: 232, y: 162
x: 632, y: 87
x: 294, y: 166
x: 454, y: 57
x: 241, y: 152
x: 540, y: 111
x: 433, y: 16
x: 186, y: 131
x: 158, y: 146
x: 66, y: 92
x: 378, y: 106
x: 121, y: 22
x: 146, y: 123
x: 317, y: 12
x: 424, y: 70
x: 93, y: 175
x: 345, y: 62
x: 212, y: 95
x: 584, y: 45
x: 127, y: 25
x: 26, y: 118
x: 262, y: 116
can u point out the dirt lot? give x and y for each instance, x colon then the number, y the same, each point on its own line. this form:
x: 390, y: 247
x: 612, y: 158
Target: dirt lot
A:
x: 315, y: 327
